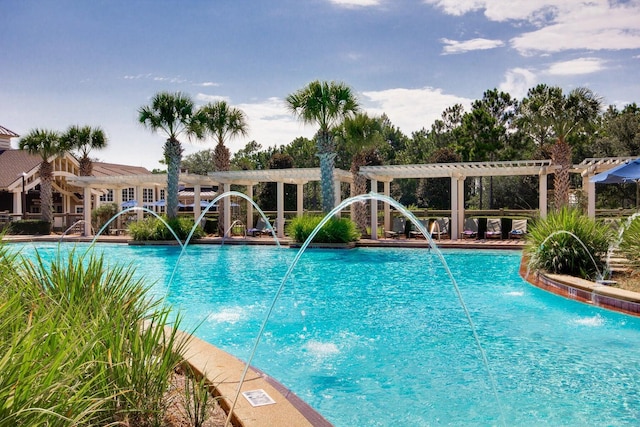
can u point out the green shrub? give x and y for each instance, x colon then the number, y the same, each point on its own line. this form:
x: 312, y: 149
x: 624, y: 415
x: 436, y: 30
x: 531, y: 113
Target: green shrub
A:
x: 630, y: 243
x: 29, y: 227
x: 76, y: 347
x: 336, y: 230
x: 152, y: 228
x: 555, y: 244
x: 102, y: 215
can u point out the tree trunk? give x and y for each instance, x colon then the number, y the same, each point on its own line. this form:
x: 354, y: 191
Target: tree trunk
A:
x: 222, y: 162
x: 561, y: 156
x: 327, y: 156
x: 86, y: 166
x: 359, y: 187
x: 173, y: 156
x: 46, y: 176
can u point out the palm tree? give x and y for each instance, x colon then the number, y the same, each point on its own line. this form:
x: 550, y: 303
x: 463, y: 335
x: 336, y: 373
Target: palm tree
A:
x: 325, y: 104
x: 546, y: 112
x: 84, y: 139
x: 173, y: 114
x: 222, y: 122
x: 362, y: 135
x: 46, y: 144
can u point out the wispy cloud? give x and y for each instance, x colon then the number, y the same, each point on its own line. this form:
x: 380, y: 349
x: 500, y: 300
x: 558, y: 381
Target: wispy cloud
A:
x: 356, y: 3
x: 517, y: 82
x: 454, y: 46
x: 208, y: 84
x: 204, y: 98
x: 411, y: 109
x: 155, y: 78
x: 576, y: 67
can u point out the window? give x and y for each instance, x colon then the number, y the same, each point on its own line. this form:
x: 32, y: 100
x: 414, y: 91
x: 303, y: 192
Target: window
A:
x: 108, y: 197
x: 79, y: 209
x: 128, y: 194
x: 147, y: 195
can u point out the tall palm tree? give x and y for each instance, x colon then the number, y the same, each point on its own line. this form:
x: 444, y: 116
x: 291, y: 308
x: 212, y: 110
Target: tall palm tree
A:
x: 173, y: 114
x: 223, y: 122
x: 325, y: 104
x: 362, y: 135
x: 83, y: 140
x: 546, y: 112
x: 46, y: 144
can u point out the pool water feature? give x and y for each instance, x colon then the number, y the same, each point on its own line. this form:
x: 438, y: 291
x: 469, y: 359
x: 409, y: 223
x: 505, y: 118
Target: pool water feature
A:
x: 378, y: 337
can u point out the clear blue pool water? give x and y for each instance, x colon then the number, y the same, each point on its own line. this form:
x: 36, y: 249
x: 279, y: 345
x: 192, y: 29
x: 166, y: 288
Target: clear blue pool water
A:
x: 377, y: 337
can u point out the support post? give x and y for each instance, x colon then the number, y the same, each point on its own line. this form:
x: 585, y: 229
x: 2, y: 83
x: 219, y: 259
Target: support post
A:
x: 280, y: 208
x: 227, y: 210
x: 197, y: 209
x: 374, y: 211
x: 590, y: 189
x: 543, y: 194
x: 387, y: 209
x: 300, y: 199
x: 86, y: 210
x: 250, y: 206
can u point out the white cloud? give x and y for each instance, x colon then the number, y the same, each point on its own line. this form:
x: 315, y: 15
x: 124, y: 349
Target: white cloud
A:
x: 412, y: 109
x: 356, y: 3
x: 453, y: 46
x: 517, y: 82
x: 562, y: 25
x: 204, y: 98
x: 576, y: 67
x: 208, y: 84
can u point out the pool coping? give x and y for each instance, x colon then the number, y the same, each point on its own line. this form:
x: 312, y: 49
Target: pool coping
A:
x: 585, y: 291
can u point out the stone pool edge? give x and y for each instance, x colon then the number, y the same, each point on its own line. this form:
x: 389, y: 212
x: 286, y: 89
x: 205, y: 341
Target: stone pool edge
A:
x: 585, y: 291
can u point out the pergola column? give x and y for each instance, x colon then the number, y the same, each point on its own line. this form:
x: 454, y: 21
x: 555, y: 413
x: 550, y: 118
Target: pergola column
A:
x: 86, y: 210
x: 374, y: 211
x: 543, y: 194
x: 300, y: 199
x: 227, y: 210
x: 457, y: 205
x: 280, y: 208
x: 387, y: 209
x: 140, y: 212
x: 197, y: 209
x: 250, y: 207
x: 590, y: 188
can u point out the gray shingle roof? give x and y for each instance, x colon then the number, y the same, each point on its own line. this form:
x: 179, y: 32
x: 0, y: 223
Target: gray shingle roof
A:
x: 13, y: 163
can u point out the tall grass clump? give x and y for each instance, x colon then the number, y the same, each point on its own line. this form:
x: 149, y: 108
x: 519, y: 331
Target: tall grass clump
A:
x: 629, y: 245
x: 152, y: 228
x: 336, y: 230
x: 551, y: 248
x: 81, y: 343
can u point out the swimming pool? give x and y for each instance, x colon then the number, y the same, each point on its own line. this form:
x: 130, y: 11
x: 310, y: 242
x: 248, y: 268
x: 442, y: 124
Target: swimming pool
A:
x: 378, y: 337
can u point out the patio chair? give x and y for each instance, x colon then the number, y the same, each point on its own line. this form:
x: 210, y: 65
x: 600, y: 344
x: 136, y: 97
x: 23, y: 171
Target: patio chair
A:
x: 518, y: 229
x: 417, y: 233
x: 261, y: 228
x: 440, y: 228
x: 397, y: 228
x: 470, y: 229
x: 494, y: 229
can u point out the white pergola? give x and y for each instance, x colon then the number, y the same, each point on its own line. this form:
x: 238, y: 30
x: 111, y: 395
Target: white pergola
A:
x: 457, y: 172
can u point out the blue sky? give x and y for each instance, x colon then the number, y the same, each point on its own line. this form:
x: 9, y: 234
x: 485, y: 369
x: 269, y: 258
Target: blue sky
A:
x: 96, y: 62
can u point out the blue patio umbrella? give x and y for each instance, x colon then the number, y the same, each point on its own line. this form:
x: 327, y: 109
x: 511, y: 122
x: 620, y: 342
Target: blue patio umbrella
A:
x: 129, y: 204
x: 626, y: 172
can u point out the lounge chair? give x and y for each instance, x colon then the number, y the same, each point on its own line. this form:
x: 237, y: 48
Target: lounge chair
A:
x: 397, y: 229
x: 261, y: 228
x: 470, y: 230
x: 494, y: 229
x: 518, y: 229
x: 417, y: 233
x: 440, y: 228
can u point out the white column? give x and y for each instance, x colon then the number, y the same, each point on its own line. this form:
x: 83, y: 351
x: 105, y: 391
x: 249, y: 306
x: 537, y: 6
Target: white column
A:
x: 374, y: 211
x: 457, y: 221
x: 197, y: 210
x: 280, y: 208
x: 139, y: 213
x: 250, y: 207
x: 17, y: 204
x: 300, y: 199
x: 454, y: 206
x: 337, y: 194
x: 542, y: 189
x: 590, y: 189
x: 387, y: 209
x: 86, y: 209
x: 227, y: 210
x: 352, y: 192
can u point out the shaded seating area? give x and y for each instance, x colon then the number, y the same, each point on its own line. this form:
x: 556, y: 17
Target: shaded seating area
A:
x: 470, y: 229
x: 397, y: 228
x: 261, y: 228
x: 440, y: 228
x: 494, y: 229
x: 518, y: 229
x: 416, y: 233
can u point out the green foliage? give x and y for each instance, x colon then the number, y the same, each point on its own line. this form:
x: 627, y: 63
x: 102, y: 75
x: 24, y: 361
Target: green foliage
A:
x: 152, y: 228
x: 30, y: 227
x: 551, y: 248
x: 102, y: 215
x: 336, y: 230
x: 630, y: 243
x: 81, y: 344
